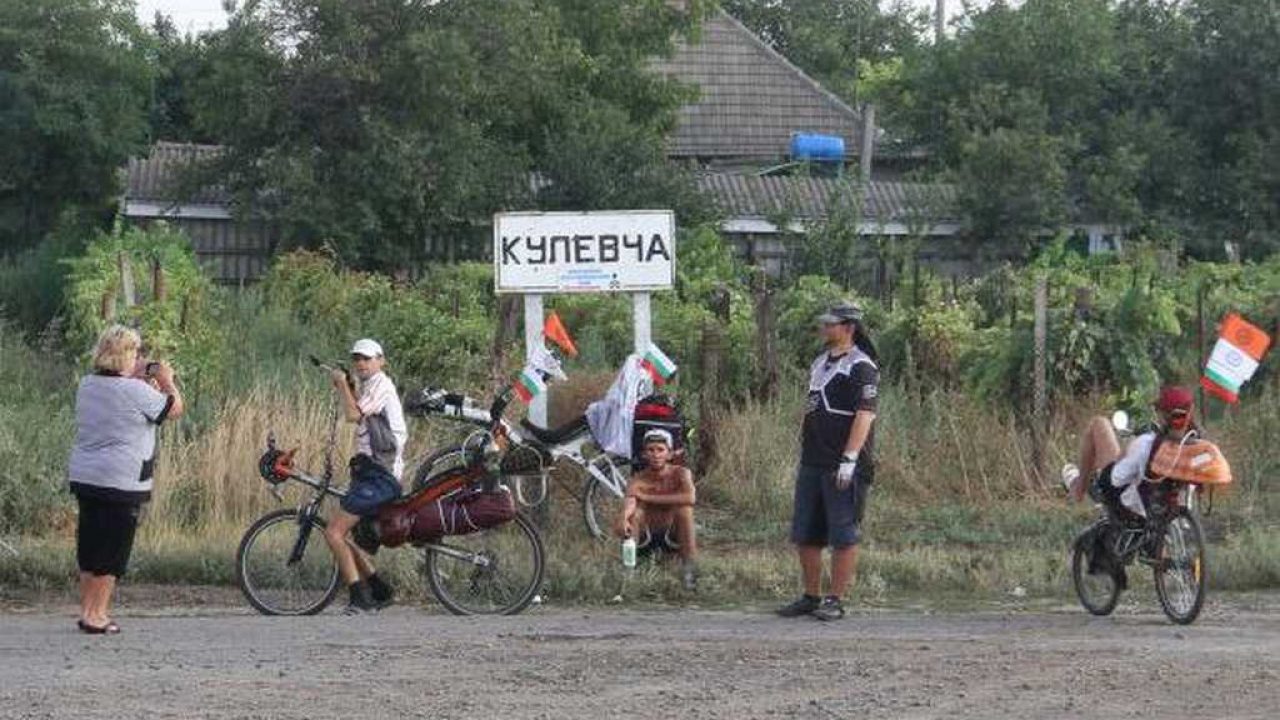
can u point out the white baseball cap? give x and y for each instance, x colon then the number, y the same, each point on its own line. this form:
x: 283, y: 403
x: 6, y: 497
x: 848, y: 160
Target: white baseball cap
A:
x: 367, y: 348
x: 658, y: 435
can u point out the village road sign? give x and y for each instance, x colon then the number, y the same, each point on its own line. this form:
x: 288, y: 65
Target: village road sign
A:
x: 558, y: 252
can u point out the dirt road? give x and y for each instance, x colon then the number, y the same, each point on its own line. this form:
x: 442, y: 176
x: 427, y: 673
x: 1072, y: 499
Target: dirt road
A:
x: 607, y: 663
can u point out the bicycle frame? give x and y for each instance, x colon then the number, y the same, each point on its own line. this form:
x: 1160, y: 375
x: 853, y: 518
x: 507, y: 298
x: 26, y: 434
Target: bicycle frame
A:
x: 601, y: 467
x: 310, y: 509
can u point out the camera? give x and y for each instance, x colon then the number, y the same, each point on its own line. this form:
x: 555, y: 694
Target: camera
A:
x: 152, y: 368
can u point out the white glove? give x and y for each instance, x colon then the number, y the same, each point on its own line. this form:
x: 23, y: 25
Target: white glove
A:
x: 844, y: 475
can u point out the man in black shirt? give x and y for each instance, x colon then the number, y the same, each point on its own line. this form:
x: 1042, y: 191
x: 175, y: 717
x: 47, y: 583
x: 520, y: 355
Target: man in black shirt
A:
x: 836, y: 466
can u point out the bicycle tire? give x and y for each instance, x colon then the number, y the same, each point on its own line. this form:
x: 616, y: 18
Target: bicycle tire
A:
x: 435, y: 568
x: 243, y: 555
x: 597, y: 512
x: 424, y: 469
x: 1161, y: 577
x: 1080, y: 575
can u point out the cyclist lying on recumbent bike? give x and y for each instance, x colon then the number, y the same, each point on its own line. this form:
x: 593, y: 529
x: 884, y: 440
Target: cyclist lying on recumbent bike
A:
x: 1114, y: 478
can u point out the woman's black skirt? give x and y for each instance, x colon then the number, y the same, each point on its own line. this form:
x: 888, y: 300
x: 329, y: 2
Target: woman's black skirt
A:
x: 104, y: 535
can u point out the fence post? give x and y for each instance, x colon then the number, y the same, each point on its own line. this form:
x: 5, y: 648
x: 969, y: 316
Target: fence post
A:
x: 1040, y: 409
x: 126, y: 279
x: 107, y: 306
x: 158, y: 289
x: 766, y: 340
x: 503, y: 336
x: 709, y: 397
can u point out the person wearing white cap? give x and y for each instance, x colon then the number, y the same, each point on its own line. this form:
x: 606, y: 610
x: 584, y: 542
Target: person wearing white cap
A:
x: 381, y: 434
x: 659, y: 504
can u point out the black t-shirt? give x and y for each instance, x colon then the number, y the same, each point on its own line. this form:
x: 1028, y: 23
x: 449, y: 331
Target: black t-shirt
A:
x: 839, y: 386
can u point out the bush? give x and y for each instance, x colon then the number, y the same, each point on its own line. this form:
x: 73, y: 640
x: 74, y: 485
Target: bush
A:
x: 175, y: 308
x: 33, y: 282
x: 37, y: 393
x: 439, y: 330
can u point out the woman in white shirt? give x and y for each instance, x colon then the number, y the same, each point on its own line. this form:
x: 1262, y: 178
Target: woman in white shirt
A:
x: 118, y: 408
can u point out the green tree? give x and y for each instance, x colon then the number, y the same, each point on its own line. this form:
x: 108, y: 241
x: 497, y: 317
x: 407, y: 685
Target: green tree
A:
x: 375, y: 125
x: 179, y: 62
x: 74, y: 87
x: 828, y: 38
x: 1228, y: 100
x: 1160, y: 116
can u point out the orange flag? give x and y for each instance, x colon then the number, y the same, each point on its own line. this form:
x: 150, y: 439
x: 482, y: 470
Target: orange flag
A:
x: 554, y: 331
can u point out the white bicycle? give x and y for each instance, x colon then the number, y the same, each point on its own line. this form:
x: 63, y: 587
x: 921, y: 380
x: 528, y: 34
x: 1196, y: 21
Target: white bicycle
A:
x: 532, y: 453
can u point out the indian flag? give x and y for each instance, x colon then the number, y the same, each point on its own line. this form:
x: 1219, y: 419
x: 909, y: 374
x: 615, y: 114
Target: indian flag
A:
x: 529, y: 385
x: 1235, y: 357
x: 658, y: 365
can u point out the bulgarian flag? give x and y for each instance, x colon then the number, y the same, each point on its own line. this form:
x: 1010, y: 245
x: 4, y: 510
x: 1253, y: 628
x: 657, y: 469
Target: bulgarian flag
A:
x: 1235, y: 358
x: 658, y: 365
x: 529, y: 385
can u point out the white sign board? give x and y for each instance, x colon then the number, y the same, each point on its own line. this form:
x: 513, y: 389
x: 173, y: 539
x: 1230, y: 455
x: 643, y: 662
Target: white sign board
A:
x: 557, y: 252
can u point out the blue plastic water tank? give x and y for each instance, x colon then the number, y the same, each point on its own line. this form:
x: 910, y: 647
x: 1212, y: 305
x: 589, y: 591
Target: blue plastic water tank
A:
x: 817, y: 148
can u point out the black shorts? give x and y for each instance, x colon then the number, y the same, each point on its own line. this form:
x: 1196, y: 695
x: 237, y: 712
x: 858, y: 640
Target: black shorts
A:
x: 104, y: 535
x: 824, y: 515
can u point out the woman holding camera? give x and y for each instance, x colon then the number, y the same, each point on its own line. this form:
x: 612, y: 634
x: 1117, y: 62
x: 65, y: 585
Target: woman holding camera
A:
x: 118, y: 408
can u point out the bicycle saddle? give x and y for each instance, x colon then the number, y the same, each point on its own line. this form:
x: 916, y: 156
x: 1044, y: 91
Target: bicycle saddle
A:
x: 555, y: 436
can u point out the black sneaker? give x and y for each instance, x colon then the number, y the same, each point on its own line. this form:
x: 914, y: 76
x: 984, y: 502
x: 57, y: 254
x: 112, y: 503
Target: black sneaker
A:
x: 383, y: 594
x: 361, y: 600
x: 830, y: 609
x: 805, y: 605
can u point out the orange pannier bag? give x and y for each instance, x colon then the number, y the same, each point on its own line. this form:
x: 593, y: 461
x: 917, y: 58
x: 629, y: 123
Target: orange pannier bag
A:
x: 1199, y: 462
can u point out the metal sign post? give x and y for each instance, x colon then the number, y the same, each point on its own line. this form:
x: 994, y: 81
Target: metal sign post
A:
x: 641, y: 319
x: 533, y: 339
x: 540, y: 253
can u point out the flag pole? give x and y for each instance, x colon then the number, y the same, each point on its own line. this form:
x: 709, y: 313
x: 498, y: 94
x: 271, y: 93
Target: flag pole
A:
x: 1204, y: 414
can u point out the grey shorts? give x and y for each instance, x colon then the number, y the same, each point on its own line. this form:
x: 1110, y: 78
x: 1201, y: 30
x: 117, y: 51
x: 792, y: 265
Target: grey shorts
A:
x: 825, y: 516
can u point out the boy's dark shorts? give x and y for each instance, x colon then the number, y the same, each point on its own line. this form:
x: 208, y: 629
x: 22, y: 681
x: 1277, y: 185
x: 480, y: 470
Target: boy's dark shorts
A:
x: 825, y: 516
x: 372, y: 486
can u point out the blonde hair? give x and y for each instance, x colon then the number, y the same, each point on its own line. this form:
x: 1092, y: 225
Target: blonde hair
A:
x: 117, y: 349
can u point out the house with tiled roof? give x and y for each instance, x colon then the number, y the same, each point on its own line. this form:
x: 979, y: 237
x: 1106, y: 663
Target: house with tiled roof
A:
x: 738, y: 135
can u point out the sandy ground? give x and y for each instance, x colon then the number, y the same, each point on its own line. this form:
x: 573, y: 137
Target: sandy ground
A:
x: 221, y: 662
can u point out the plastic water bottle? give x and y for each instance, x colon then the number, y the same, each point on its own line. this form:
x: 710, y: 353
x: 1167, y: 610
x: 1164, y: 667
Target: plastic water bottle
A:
x: 629, y: 552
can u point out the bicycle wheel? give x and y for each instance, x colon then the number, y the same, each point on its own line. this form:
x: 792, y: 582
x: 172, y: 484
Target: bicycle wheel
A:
x: 1180, y: 568
x: 601, y: 506
x: 270, y: 581
x: 443, y: 460
x: 497, y: 571
x: 1099, y: 593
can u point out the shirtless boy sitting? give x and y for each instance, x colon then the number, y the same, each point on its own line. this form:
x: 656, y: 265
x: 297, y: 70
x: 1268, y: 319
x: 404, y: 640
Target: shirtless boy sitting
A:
x: 659, y: 504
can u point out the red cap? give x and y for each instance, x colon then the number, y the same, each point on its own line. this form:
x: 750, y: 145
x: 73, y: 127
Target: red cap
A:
x: 1175, y: 398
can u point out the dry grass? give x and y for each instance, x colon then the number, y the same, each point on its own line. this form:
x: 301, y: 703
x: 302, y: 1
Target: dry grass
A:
x: 956, y: 508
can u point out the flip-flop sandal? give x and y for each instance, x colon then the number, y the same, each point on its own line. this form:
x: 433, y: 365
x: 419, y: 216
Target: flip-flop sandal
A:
x: 109, y: 629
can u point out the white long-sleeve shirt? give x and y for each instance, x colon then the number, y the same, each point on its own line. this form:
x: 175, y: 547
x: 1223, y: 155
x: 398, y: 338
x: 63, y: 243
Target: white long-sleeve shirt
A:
x: 1130, y: 470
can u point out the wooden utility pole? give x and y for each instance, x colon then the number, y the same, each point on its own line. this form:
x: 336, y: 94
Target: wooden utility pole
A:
x: 766, y: 335
x: 939, y: 20
x: 868, y: 143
